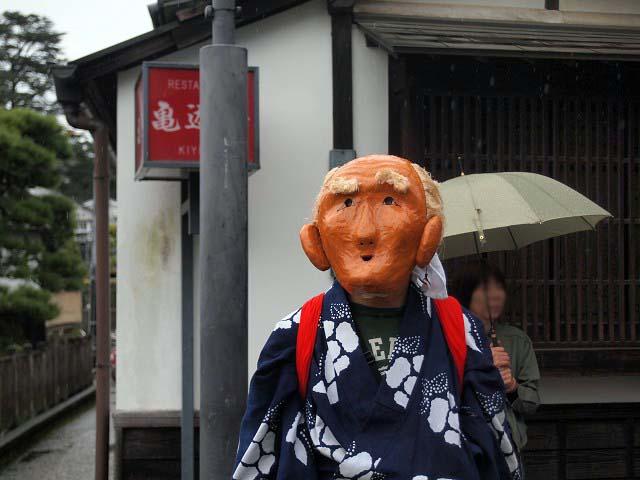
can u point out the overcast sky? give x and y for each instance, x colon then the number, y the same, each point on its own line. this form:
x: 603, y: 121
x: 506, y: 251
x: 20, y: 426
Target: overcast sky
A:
x: 90, y: 25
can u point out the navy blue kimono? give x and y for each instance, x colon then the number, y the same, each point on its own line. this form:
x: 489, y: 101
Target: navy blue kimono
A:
x: 417, y: 423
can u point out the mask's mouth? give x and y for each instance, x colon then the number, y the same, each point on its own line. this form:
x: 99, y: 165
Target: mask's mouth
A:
x: 366, y: 258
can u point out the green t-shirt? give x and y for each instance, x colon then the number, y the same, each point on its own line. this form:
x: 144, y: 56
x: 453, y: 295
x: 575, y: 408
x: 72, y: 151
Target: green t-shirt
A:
x: 377, y: 331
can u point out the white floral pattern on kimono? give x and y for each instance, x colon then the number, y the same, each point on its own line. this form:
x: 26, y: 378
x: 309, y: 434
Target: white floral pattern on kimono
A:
x: 416, y: 423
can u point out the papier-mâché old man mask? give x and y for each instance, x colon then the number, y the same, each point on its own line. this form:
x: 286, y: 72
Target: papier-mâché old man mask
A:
x: 375, y: 219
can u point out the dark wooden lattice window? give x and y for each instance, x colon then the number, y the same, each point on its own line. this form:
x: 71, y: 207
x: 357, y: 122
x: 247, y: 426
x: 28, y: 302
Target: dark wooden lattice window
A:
x: 581, y: 290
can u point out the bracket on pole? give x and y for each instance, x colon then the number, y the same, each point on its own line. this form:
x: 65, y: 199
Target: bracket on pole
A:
x: 339, y: 156
x: 209, y: 10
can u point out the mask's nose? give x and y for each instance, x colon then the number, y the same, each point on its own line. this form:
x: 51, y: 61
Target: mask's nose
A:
x: 365, y: 229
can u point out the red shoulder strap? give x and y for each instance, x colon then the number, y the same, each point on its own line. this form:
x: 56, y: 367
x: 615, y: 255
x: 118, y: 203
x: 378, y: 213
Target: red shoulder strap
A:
x: 306, y: 340
x: 450, y: 315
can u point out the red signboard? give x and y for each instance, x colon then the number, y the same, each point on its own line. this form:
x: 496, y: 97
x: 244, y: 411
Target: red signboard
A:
x: 168, y: 121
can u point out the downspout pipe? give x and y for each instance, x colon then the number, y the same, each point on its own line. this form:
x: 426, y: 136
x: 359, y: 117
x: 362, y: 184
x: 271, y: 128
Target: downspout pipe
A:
x: 70, y: 97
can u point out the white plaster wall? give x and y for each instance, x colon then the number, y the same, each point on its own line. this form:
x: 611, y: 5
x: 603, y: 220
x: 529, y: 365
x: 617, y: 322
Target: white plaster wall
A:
x: 370, y: 97
x: 293, y: 52
x: 601, y: 6
x: 148, y: 288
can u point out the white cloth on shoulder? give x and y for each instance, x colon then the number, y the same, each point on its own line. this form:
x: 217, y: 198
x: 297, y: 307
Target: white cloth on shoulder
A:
x: 431, y: 280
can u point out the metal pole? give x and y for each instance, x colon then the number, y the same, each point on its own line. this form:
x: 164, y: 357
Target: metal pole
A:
x: 186, y: 419
x: 103, y: 330
x: 223, y: 244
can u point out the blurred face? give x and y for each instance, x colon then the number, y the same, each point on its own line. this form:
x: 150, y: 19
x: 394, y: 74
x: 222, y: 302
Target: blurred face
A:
x: 371, y: 236
x: 497, y: 298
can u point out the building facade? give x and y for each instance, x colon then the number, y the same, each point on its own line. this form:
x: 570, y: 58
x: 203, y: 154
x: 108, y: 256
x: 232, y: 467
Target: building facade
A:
x: 484, y: 85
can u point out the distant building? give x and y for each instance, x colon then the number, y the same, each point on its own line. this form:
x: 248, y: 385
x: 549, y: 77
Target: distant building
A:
x: 84, y: 231
x: 71, y: 311
x: 84, y: 225
x: 84, y: 236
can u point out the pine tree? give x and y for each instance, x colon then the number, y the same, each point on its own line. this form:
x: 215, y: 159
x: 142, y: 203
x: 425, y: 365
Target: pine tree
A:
x: 28, y: 46
x: 36, y: 224
x: 77, y: 171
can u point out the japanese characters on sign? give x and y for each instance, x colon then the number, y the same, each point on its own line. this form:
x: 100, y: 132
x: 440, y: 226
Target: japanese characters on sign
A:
x: 168, y: 121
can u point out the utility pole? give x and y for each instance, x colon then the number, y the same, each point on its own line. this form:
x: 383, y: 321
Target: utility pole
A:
x: 223, y: 244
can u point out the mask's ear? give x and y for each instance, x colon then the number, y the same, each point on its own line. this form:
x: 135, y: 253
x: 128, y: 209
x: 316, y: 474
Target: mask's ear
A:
x: 312, y: 246
x: 429, y: 242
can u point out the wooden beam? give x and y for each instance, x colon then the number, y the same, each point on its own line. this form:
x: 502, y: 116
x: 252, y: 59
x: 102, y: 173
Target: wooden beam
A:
x: 345, y: 6
x: 624, y: 361
x: 406, y: 123
x: 397, y: 101
x: 375, y: 40
x: 410, y: 10
x: 150, y: 418
x: 341, y: 22
x: 127, y: 54
x: 552, y: 4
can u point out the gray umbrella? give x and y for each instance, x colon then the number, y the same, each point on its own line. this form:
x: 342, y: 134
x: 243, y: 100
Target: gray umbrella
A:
x: 491, y: 212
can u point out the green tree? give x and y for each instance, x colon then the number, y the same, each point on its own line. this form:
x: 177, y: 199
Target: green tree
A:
x: 77, y: 171
x: 113, y: 247
x: 23, y: 313
x: 28, y: 46
x: 36, y: 224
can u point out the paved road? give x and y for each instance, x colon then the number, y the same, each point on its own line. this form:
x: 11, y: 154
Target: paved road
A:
x: 65, y: 451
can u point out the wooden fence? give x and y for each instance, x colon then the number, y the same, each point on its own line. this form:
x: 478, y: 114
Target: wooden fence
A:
x: 32, y: 382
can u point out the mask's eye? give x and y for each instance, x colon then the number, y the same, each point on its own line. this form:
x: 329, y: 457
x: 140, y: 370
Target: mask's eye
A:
x: 388, y: 201
x: 348, y: 202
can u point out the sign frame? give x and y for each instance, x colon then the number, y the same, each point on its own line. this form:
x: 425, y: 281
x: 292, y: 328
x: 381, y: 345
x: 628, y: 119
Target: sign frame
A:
x: 173, y: 170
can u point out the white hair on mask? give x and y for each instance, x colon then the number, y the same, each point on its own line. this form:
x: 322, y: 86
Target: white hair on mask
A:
x: 346, y: 185
x: 399, y: 182
x: 432, y: 195
x: 343, y: 185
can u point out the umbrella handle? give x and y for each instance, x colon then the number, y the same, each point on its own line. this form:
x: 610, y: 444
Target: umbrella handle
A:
x: 492, y: 333
x: 492, y: 329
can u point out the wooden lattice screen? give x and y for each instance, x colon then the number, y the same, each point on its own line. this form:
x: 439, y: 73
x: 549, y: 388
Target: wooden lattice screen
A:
x: 580, y: 290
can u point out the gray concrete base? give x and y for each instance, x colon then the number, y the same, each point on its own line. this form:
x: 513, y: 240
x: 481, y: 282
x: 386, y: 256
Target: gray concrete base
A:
x: 597, y: 389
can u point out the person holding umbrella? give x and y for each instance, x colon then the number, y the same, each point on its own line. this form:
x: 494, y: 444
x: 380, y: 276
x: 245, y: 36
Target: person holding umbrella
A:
x: 493, y: 212
x: 481, y: 288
